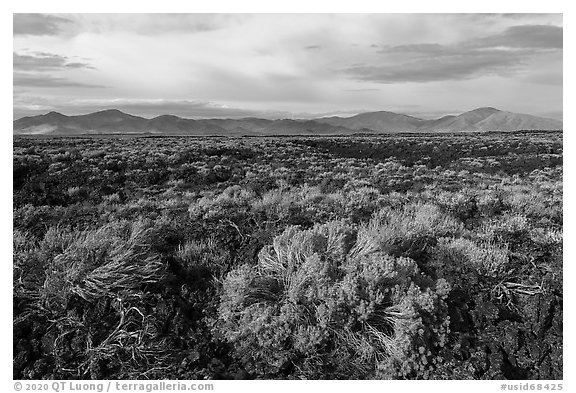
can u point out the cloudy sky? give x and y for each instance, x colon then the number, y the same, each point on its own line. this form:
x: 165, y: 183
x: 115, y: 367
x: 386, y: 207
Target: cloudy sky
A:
x: 287, y: 65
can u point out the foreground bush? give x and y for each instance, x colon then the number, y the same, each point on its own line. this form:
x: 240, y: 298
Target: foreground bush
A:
x: 103, y: 263
x: 89, y: 301
x: 320, y: 303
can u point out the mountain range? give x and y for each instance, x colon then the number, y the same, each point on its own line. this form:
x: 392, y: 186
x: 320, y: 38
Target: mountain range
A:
x: 113, y: 121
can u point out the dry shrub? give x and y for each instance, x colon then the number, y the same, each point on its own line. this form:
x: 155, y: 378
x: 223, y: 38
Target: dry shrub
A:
x: 409, y: 231
x: 506, y: 229
x: 199, y: 259
x: 112, y: 261
x: 329, y: 303
x: 233, y: 198
x: 466, y: 259
x: 93, y: 293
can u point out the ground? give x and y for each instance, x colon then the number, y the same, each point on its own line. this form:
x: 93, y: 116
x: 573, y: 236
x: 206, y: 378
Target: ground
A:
x: 395, y: 256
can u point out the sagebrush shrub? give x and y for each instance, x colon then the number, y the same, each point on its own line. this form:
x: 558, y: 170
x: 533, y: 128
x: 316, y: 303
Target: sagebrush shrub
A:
x: 322, y: 303
x: 202, y: 257
x: 459, y: 259
x: 489, y: 204
x: 108, y: 262
x: 507, y: 229
x: 461, y: 204
x: 409, y: 231
x: 233, y: 198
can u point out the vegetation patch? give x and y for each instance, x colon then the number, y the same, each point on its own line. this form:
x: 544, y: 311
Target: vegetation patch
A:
x: 359, y: 257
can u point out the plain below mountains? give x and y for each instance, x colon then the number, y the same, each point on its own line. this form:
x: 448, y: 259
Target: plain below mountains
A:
x: 114, y: 121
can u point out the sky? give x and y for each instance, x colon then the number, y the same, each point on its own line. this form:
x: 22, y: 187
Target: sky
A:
x: 287, y: 65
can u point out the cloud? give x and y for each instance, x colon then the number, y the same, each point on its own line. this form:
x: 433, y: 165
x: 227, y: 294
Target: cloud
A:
x: 22, y: 79
x: 33, y: 70
x: 422, y: 49
x: 496, y: 54
x: 39, y: 24
x: 154, y: 24
x: 524, y: 36
x: 260, y: 61
x: 544, y: 16
x: 361, y: 90
x: 140, y: 24
x: 441, y: 67
x: 184, y: 108
x: 548, y: 79
x: 41, y: 61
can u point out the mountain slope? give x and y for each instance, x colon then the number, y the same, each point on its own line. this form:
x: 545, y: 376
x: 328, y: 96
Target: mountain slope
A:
x: 377, y: 121
x: 116, y: 122
x: 481, y: 119
x: 174, y: 125
x: 103, y: 122
x: 506, y: 121
x: 490, y: 119
x: 42, y: 124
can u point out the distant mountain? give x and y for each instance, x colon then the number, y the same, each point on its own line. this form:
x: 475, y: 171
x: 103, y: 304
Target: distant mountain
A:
x: 114, y: 121
x: 481, y: 119
x: 103, y: 122
x: 42, y: 124
x: 174, y: 125
x: 376, y: 121
x: 490, y: 119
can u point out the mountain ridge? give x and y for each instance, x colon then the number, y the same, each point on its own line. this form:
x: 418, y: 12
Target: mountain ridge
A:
x: 114, y: 121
